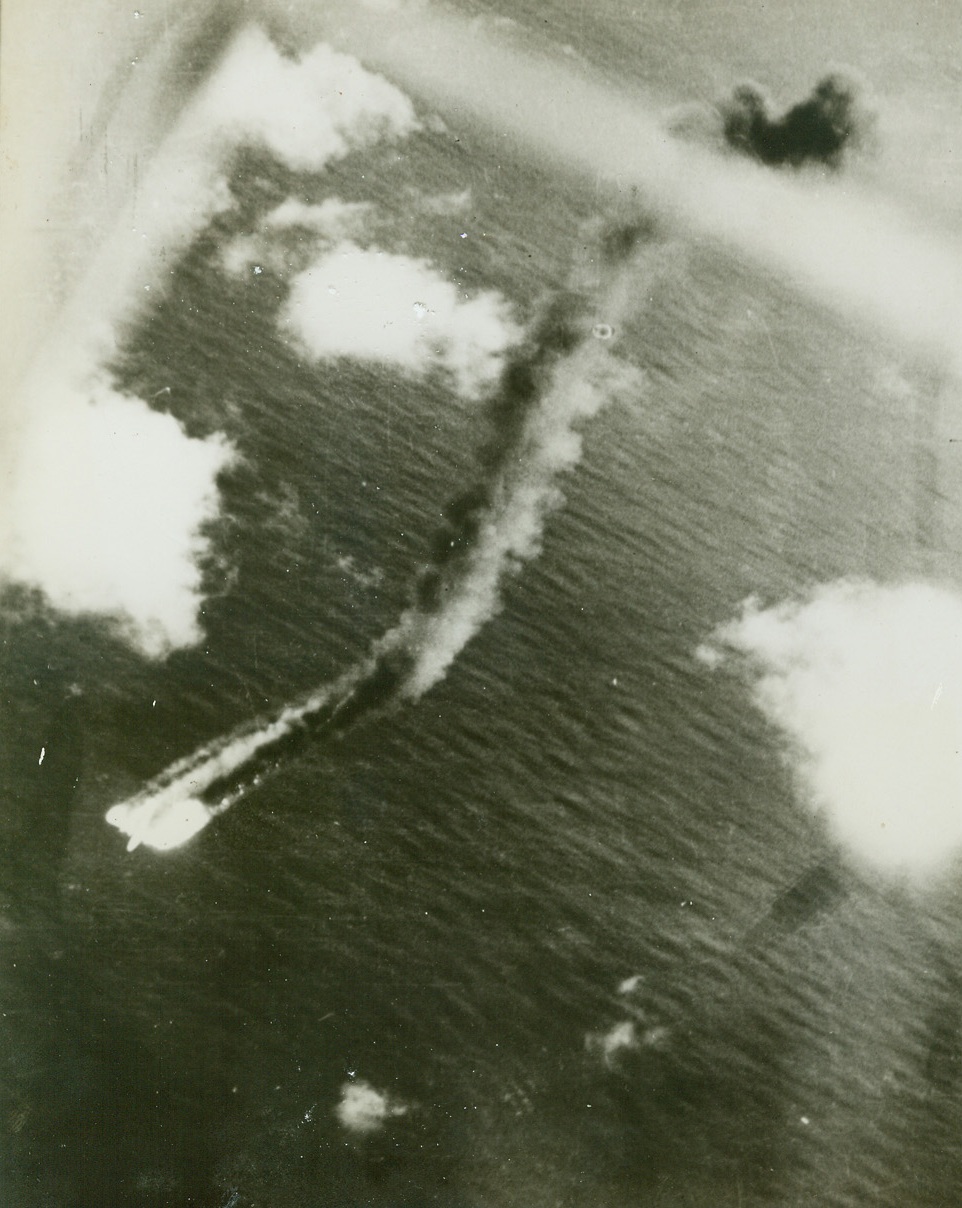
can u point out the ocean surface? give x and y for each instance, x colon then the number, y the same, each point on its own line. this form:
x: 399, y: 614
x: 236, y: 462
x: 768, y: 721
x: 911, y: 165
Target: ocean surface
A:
x: 575, y: 911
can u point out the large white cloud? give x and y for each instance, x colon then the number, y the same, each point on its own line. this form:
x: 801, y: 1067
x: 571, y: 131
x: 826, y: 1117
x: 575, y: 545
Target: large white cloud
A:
x: 107, y: 512
x: 866, y: 682
x: 307, y: 110
x: 380, y: 306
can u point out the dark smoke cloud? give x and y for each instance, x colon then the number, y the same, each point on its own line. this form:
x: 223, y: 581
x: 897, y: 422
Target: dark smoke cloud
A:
x: 561, y: 325
x: 833, y: 117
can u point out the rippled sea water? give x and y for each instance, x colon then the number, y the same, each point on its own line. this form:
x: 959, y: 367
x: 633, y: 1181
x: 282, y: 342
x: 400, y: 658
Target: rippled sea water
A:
x: 571, y: 911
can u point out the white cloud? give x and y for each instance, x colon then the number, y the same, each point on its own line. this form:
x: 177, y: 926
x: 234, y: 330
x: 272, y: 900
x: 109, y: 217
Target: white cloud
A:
x: 866, y: 681
x: 106, y: 508
x: 379, y: 306
x: 331, y: 218
x: 270, y: 247
x: 362, y: 1109
x: 621, y: 1038
x: 308, y: 110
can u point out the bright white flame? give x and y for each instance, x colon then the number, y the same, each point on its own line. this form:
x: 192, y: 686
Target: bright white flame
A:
x: 180, y: 821
x: 168, y: 811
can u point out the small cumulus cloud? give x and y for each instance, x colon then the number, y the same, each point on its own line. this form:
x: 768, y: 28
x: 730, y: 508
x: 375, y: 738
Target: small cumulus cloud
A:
x: 280, y: 244
x: 250, y: 254
x: 625, y: 1037
x: 332, y: 218
x: 362, y: 1110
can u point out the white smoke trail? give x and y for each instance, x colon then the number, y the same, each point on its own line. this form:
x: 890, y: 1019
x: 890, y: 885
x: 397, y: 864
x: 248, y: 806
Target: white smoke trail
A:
x: 168, y: 810
x: 171, y: 809
x: 511, y: 534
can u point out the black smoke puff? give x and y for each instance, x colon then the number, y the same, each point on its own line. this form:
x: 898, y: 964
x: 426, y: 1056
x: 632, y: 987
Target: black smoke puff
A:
x: 818, y: 129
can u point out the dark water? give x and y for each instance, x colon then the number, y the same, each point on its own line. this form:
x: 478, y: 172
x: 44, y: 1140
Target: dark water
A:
x: 444, y: 901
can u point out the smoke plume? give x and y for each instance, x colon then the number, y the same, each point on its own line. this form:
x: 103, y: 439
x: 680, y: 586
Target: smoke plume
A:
x: 558, y: 378
x: 832, y: 118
